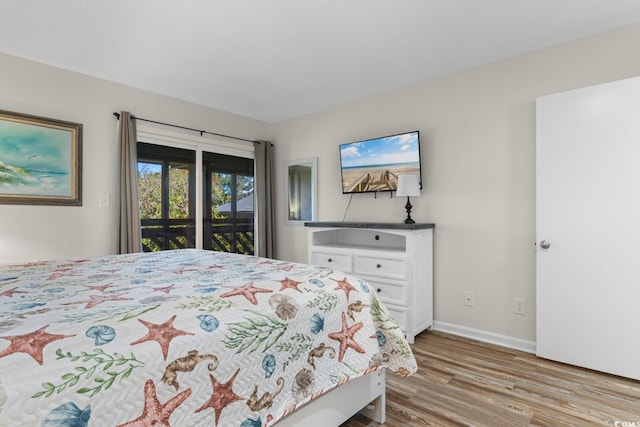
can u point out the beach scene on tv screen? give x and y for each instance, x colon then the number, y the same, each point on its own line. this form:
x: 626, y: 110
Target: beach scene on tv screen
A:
x: 375, y: 164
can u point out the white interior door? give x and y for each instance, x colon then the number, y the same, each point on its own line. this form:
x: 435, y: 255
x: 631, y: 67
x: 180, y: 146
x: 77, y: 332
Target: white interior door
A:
x: 588, y: 211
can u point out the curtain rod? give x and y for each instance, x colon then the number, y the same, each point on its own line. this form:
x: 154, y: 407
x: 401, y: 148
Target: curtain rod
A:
x: 202, y: 132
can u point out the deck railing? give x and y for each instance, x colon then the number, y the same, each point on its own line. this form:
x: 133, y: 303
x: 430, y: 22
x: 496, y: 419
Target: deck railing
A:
x: 229, y: 235
x: 224, y: 235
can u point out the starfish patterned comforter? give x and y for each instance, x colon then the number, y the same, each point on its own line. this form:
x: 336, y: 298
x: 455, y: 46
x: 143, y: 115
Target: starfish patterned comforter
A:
x: 183, y: 338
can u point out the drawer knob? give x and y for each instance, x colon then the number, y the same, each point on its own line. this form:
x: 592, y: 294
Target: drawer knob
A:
x: 330, y: 260
x: 378, y: 265
x: 377, y: 237
x: 378, y: 290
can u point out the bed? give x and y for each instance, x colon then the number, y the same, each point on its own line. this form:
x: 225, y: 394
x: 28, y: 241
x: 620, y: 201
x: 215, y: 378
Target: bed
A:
x: 191, y: 338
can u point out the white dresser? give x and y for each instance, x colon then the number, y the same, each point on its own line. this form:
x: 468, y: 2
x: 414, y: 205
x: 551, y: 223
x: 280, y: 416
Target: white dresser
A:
x: 395, y: 259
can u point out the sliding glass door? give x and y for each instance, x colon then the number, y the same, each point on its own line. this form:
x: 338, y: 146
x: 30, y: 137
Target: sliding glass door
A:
x: 168, y: 192
x: 228, y: 203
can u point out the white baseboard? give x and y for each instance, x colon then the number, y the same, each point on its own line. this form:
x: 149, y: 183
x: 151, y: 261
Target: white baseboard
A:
x: 484, y: 336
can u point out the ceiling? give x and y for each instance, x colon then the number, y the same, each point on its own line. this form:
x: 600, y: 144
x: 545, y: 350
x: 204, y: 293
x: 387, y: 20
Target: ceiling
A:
x: 277, y: 59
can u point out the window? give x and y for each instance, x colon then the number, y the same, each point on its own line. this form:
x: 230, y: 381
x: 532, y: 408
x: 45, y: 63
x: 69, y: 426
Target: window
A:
x: 166, y: 182
x: 195, y: 191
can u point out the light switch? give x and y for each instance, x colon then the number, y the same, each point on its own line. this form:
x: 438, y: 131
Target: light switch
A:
x: 104, y: 200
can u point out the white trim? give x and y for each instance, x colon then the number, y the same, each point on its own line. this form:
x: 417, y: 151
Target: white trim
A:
x: 154, y: 135
x: 199, y: 201
x: 485, y: 336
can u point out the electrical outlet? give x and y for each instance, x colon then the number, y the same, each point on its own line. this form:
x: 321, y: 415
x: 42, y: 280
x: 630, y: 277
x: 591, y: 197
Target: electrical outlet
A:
x: 469, y: 299
x: 520, y: 306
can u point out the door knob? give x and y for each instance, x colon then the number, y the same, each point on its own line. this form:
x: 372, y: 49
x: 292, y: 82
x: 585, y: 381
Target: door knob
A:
x: 545, y: 244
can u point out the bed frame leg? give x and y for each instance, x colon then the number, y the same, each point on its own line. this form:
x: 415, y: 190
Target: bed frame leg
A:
x: 376, y: 410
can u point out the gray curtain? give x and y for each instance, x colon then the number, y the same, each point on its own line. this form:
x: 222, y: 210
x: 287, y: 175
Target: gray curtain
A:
x: 130, y: 233
x: 266, y: 240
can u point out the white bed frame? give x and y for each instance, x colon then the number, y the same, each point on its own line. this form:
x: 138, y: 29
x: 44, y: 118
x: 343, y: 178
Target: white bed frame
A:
x: 365, y: 394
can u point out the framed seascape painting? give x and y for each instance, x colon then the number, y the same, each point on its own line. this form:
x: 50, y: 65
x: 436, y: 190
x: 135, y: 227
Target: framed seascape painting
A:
x: 40, y: 160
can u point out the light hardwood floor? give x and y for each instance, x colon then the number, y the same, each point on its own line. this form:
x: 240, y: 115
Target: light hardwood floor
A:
x: 462, y: 382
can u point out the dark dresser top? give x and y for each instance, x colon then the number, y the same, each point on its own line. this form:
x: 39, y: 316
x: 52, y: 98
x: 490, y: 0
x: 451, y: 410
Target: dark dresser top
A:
x: 380, y: 225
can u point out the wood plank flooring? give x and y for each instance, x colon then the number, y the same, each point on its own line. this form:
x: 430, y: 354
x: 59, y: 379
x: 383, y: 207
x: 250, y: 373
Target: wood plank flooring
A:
x: 461, y: 382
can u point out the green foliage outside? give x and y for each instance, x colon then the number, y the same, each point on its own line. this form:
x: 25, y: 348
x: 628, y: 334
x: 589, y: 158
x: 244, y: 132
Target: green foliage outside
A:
x: 222, y: 185
x: 150, y: 188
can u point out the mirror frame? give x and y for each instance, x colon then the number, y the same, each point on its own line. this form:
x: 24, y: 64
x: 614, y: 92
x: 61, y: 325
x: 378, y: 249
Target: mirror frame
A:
x: 312, y: 162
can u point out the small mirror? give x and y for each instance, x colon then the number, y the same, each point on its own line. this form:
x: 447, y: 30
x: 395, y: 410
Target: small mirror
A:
x: 301, y: 190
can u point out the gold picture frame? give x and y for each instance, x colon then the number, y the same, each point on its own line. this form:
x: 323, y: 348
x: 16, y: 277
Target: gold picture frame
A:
x: 40, y: 160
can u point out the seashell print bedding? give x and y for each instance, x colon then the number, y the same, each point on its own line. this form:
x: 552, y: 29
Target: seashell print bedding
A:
x: 183, y: 338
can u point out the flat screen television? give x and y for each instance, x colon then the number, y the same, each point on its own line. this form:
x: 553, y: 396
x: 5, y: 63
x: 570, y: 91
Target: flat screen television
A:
x: 374, y: 164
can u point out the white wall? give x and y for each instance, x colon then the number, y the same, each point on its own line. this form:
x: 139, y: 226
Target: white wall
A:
x: 30, y: 233
x: 478, y: 152
x: 478, y: 148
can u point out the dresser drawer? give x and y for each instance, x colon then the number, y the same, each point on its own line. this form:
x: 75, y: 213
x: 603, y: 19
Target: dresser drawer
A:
x: 379, y: 266
x: 333, y: 260
x: 390, y: 293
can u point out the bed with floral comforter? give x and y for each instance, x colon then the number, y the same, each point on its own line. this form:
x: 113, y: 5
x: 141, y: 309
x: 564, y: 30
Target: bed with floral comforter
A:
x: 183, y: 338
